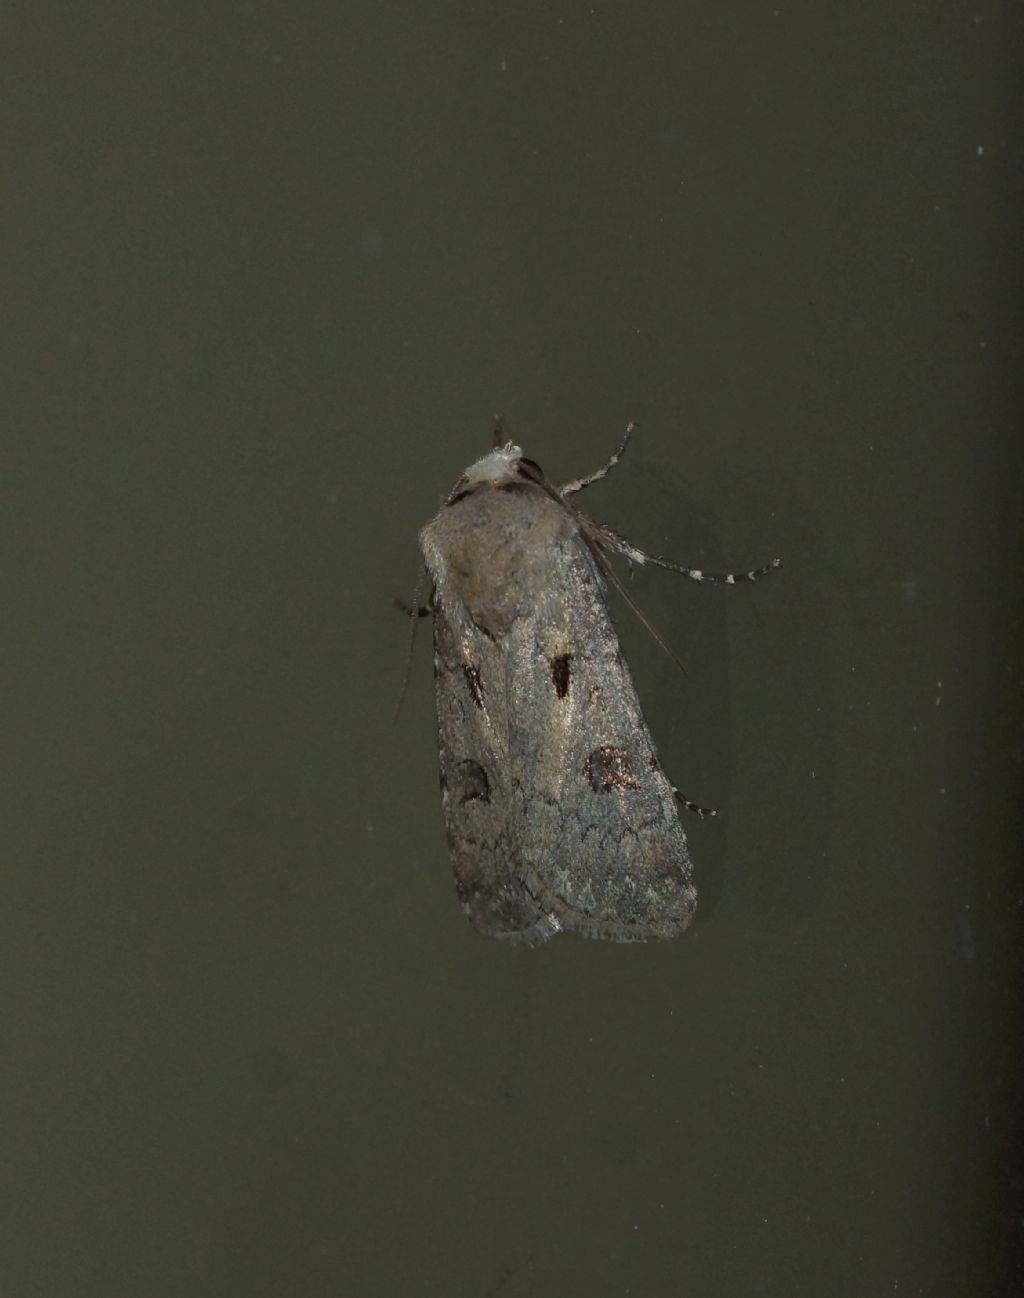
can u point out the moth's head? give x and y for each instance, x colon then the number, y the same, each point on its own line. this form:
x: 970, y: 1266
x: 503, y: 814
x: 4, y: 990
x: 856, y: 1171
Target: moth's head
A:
x: 504, y: 465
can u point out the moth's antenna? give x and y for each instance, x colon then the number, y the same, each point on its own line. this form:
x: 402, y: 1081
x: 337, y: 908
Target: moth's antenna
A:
x: 414, y: 611
x: 635, y: 555
x: 498, y: 430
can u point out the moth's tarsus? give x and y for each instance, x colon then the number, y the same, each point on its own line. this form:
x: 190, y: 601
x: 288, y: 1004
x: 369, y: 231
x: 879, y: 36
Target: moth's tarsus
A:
x: 578, y: 484
x: 695, y: 807
x: 403, y: 606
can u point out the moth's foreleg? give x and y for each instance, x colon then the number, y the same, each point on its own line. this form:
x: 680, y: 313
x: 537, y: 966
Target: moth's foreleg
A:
x: 577, y: 484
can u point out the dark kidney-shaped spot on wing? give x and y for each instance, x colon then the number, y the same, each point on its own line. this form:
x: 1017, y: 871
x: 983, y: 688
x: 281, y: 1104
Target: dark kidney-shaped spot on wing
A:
x: 473, y: 784
x: 608, y: 768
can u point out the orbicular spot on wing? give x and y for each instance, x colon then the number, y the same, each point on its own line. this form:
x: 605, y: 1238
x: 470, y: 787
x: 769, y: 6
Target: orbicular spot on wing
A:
x: 561, y: 673
x: 472, y: 675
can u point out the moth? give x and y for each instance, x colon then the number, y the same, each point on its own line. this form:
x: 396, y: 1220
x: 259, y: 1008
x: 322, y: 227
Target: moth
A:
x: 558, y: 814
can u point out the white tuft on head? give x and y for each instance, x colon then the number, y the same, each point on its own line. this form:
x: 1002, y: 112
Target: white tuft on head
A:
x: 496, y: 467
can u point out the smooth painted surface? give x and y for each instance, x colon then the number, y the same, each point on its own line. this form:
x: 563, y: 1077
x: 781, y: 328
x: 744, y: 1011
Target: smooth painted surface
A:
x: 271, y: 269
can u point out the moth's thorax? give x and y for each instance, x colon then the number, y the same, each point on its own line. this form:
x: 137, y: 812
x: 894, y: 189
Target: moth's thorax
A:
x: 493, y: 549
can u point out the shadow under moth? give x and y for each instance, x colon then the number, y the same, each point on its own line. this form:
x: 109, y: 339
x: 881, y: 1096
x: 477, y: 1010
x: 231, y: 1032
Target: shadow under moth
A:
x: 559, y: 816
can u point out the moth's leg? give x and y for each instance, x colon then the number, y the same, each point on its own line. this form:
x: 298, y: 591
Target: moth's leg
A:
x: 421, y: 610
x: 413, y: 612
x: 692, y: 806
x: 635, y: 555
x: 577, y: 484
